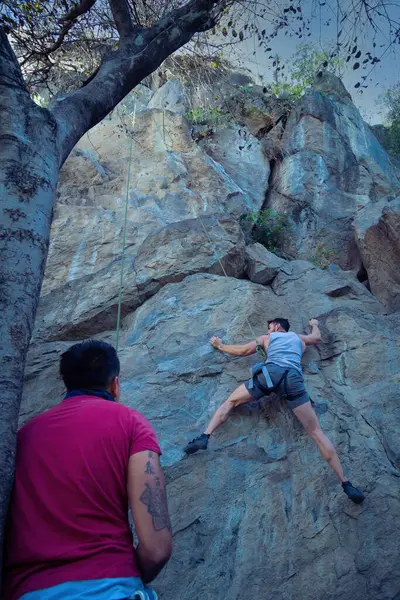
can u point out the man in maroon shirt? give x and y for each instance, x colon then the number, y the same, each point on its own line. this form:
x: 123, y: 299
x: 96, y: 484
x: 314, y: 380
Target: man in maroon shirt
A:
x: 79, y: 466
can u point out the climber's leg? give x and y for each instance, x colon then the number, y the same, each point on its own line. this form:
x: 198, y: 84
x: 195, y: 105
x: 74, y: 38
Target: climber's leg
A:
x: 240, y: 396
x: 306, y: 415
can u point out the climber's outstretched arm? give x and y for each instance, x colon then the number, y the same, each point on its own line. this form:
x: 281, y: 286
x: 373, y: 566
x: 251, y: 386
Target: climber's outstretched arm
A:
x: 239, y: 350
x: 315, y: 336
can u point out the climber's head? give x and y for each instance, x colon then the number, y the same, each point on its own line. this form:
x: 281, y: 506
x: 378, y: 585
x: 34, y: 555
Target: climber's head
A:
x: 278, y: 325
x: 91, y: 365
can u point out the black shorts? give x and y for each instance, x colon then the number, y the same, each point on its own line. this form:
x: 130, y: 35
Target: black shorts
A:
x: 294, y: 389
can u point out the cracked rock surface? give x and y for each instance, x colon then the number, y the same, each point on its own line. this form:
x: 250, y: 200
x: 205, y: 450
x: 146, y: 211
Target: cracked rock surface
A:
x: 260, y: 514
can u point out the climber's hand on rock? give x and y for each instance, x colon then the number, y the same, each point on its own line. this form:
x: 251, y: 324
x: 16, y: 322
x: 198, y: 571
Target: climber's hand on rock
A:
x: 313, y: 322
x: 216, y: 342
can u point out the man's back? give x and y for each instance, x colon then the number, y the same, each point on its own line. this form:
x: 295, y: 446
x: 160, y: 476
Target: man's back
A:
x: 70, y: 504
x: 285, y: 349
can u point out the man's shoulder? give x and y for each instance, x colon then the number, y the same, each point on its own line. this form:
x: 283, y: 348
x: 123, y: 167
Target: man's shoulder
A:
x: 125, y: 411
x: 284, y: 335
x: 299, y: 335
x: 116, y: 409
x: 97, y: 407
x: 137, y: 416
x: 38, y: 420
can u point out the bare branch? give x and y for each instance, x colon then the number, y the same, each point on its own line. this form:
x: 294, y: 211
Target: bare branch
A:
x: 134, y: 8
x: 65, y: 28
x: 77, y: 10
x: 10, y: 71
x: 122, y: 17
x: 121, y: 70
x: 68, y: 21
x: 188, y: 18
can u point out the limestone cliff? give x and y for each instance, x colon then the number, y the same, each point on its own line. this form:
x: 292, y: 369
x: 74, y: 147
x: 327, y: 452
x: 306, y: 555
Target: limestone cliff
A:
x: 259, y: 515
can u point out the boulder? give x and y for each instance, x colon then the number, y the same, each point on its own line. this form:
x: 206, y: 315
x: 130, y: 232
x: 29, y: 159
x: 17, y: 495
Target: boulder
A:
x: 171, y: 177
x: 329, y: 84
x: 243, y: 159
x: 171, y: 96
x: 212, y: 243
x: 251, y: 108
x: 182, y: 183
x: 209, y: 244
x: 377, y: 233
x: 332, y: 167
x: 261, y: 265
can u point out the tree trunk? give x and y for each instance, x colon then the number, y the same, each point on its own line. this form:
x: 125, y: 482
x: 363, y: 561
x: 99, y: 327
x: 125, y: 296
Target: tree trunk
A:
x: 29, y: 165
x: 34, y: 143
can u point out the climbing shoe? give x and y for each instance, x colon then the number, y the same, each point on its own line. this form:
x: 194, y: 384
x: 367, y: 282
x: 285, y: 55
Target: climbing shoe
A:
x: 199, y: 443
x: 353, y: 493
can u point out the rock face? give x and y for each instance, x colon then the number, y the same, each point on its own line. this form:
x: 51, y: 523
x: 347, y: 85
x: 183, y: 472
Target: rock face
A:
x: 260, y: 514
x: 261, y: 265
x: 211, y: 244
x: 377, y: 230
x: 171, y: 96
x: 242, y: 157
x: 332, y: 167
x: 172, y: 180
x: 261, y: 494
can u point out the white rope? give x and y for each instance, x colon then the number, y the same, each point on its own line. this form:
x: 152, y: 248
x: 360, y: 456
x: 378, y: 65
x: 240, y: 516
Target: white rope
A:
x: 121, y: 281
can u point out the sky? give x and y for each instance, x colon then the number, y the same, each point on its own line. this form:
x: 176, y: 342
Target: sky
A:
x: 324, y: 27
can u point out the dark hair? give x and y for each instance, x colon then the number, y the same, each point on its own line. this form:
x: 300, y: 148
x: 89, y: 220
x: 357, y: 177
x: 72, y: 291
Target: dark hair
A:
x: 284, y: 323
x: 91, y: 364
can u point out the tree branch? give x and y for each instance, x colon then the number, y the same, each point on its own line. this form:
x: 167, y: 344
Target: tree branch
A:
x: 138, y: 55
x: 68, y: 21
x: 197, y: 15
x: 122, y: 17
x: 64, y: 30
x: 135, y: 11
x: 77, y: 10
x: 10, y: 71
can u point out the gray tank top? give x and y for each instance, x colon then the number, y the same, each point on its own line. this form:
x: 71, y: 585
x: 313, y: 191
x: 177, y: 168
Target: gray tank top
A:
x: 285, y: 350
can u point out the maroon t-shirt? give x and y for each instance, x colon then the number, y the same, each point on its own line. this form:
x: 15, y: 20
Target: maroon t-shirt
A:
x: 69, y: 508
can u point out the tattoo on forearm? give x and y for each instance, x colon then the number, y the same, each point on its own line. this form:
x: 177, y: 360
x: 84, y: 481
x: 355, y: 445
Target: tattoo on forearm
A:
x: 149, y: 470
x: 155, y: 498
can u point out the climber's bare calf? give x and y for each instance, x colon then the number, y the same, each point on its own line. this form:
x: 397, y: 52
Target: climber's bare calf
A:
x: 307, y: 417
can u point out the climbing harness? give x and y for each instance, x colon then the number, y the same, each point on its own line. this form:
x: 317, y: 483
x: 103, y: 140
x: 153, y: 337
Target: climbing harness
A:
x: 270, y: 387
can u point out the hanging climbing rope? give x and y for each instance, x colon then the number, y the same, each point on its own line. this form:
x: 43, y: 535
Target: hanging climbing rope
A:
x: 121, y: 281
x: 259, y: 347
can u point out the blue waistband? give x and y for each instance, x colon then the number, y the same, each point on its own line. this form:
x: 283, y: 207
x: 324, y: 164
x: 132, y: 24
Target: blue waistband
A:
x: 120, y: 588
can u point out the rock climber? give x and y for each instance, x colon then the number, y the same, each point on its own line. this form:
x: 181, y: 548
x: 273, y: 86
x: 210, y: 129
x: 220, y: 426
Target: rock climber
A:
x: 282, y: 373
x: 78, y: 467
